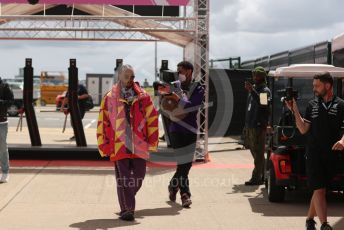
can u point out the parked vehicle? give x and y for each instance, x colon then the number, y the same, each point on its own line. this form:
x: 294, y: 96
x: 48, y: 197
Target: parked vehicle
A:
x: 52, y: 84
x: 17, y: 88
x: 285, y: 153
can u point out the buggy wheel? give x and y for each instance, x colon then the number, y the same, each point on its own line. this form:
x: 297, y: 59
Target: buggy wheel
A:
x: 275, y: 193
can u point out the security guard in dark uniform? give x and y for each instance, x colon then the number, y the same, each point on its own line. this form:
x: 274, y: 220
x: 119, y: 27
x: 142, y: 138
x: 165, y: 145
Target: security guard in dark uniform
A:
x: 257, y: 117
x: 322, y: 123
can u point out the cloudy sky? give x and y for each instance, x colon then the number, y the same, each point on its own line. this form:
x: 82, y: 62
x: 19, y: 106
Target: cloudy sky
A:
x: 246, y: 28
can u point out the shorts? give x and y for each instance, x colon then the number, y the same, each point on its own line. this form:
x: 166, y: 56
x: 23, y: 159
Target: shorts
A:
x: 321, y: 169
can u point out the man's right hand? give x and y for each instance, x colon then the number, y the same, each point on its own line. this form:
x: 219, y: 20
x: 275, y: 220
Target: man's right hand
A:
x: 21, y: 110
x: 291, y: 105
x: 64, y: 110
x: 248, y: 86
x: 300, y: 122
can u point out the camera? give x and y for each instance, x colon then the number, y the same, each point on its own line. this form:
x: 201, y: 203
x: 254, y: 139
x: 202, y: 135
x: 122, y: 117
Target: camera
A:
x: 168, y: 76
x: 163, y: 88
x: 288, y: 94
x: 169, y: 84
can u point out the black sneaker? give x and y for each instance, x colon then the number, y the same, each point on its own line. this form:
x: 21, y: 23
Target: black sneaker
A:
x: 72, y: 138
x: 310, y: 224
x: 172, y: 193
x: 326, y: 226
x: 186, y: 201
x: 127, y: 216
x: 120, y: 213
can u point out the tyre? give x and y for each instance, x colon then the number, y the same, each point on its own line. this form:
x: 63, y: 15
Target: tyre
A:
x: 13, y: 110
x: 267, y: 166
x: 266, y: 173
x: 275, y: 193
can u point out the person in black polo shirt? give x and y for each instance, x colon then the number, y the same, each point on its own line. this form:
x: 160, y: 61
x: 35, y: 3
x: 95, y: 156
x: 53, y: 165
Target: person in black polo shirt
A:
x: 322, y: 124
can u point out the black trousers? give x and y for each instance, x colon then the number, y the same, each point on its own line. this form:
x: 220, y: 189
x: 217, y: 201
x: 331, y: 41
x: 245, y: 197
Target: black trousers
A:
x: 184, y: 146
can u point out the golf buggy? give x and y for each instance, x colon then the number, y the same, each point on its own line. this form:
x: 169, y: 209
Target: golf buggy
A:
x: 285, y: 152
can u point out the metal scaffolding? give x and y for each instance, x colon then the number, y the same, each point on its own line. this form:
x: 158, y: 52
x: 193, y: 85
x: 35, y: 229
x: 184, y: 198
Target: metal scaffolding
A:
x: 202, y: 59
x: 107, y: 28
x: 109, y: 23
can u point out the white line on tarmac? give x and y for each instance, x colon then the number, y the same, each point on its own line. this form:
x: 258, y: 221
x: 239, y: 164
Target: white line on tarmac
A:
x: 52, y: 119
x: 89, y: 124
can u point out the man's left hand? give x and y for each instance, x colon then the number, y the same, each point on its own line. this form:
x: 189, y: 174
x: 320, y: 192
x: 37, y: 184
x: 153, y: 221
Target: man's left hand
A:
x: 339, y: 146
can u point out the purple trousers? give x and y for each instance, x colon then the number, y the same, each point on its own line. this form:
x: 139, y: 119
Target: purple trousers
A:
x: 129, y: 177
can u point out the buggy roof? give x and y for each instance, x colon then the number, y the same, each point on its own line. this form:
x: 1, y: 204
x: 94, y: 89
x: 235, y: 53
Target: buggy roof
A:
x: 338, y: 43
x: 307, y: 71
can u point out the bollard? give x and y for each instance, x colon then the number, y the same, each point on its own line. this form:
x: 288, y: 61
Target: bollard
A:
x: 28, y: 104
x: 73, y: 83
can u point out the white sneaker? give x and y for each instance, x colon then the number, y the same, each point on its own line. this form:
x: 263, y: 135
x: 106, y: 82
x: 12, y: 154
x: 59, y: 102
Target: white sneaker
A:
x: 4, y: 178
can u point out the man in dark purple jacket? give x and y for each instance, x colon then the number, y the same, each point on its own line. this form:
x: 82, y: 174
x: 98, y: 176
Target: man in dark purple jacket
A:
x: 183, y: 132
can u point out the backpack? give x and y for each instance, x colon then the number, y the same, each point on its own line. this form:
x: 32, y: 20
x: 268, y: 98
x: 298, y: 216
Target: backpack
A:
x: 88, y: 103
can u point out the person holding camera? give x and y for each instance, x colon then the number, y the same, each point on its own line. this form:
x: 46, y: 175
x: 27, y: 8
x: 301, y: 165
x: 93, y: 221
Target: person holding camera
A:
x: 256, y: 122
x: 127, y: 131
x: 183, y: 110
x: 82, y: 97
x: 6, y: 98
x: 323, y: 124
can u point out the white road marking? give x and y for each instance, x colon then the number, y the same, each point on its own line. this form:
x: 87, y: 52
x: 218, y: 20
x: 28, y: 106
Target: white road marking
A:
x: 90, y: 124
x: 52, y: 119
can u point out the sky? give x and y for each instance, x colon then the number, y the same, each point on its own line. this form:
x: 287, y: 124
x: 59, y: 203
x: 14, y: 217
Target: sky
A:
x: 246, y: 28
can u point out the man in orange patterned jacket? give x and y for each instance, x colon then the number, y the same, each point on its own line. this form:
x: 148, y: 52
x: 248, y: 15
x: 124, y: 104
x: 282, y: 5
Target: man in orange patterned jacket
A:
x: 127, y: 132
